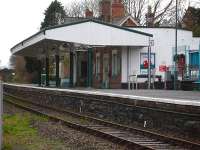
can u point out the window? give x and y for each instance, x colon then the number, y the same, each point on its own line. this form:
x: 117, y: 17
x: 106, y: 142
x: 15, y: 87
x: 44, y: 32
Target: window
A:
x: 116, y: 63
x: 97, y: 67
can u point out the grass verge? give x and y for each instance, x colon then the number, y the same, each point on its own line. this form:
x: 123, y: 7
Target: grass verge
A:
x: 18, y: 134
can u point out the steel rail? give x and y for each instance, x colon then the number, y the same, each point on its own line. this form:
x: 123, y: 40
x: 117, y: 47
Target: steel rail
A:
x: 167, y: 139
x: 87, y: 129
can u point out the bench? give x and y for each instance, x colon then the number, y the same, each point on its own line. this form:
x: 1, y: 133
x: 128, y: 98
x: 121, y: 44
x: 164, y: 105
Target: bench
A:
x: 133, y: 79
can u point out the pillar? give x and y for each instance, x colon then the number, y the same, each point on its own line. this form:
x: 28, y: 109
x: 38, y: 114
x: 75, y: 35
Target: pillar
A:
x: 89, y: 68
x: 199, y: 62
x: 149, y: 67
x: 57, y: 58
x: 71, y: 69
x: 47, y: 71
x: 39, y: 72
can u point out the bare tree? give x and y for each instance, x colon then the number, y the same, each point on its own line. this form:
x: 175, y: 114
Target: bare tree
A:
x: 74, y: 9
x: 182, y: 7
x: 77, y: 9
x: 195, y: 3
x: 161, y: 10
x: 136, y: 8
x: 92, y: 5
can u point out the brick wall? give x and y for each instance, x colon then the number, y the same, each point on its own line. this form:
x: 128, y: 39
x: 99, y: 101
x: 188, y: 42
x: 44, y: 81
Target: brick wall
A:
x: 114, y: 82
x: 118, y: 10
x: 129, y: 23
x: 105, y: 10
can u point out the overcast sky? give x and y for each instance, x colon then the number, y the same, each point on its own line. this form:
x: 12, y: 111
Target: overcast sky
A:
x: 19, y: 20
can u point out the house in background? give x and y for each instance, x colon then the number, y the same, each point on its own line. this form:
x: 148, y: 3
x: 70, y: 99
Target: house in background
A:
x: 104, y: 52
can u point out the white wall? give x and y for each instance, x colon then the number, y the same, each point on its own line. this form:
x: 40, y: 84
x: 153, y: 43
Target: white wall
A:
x: 91, y: 33
x: 164, y: 41
x: 195, y: 43
x: 124, y: 65
x: 131, y: 60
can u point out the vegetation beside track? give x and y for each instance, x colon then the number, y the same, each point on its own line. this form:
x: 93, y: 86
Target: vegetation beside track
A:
x: 18, y: 134
x: 26, y: 131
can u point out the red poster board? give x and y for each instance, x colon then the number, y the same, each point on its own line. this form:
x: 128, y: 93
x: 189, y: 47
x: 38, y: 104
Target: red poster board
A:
x: 162, y: 68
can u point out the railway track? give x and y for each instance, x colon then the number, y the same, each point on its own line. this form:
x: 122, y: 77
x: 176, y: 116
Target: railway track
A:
x: 132, y: 138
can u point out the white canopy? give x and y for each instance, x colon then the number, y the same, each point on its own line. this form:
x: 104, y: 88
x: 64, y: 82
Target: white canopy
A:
x: 87, y: 32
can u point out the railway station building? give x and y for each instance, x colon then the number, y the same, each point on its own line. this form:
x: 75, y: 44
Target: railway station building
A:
x: 107, y: 52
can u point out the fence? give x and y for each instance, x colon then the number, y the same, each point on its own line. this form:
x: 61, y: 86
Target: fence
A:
x: 186, y: 72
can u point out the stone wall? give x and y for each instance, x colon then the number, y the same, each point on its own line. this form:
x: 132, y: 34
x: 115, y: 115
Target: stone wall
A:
x: 120, y: 110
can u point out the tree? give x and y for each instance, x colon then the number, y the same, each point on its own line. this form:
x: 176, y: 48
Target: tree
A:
x: 26, y: 69
x: 77, y: 9
x: 162, y: 11
x: 54, y: 15
x: 191, y: 20
x: 196, y: 31
x: 136, y: 8
x: 182, y: 8
x: 32, y: 64
x: 18, y: 64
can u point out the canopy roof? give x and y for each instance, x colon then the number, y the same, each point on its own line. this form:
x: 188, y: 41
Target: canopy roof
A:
x: 86, y: 32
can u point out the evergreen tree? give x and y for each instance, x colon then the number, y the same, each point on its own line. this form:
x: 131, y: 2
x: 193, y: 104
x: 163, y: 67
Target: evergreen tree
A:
x: 196, y: 31
x: 192, y: 20
x: 54, y: 15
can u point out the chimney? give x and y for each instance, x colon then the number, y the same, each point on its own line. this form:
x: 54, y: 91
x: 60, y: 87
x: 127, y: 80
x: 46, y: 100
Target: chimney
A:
x: 88, y: 13
x: 118, y: 10
x: 105, y: 10
x: 149, y: 18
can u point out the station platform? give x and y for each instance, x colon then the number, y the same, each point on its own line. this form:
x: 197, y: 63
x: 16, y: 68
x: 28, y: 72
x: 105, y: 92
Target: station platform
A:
x: 190, y: 98
x: 167, y: 110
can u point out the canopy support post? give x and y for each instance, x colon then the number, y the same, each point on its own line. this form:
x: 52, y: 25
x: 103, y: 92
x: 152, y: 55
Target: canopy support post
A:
x: 71, y: 68
x: 89, y: 68
x: 57, y: 57
x: 149, y: 65
x: 199, y: 62
x: 39, y: 72
x: 47, y: 71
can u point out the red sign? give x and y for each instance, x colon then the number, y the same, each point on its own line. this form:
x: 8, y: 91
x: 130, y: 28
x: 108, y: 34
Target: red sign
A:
x: 146, y: 64
x: 163, y: 68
